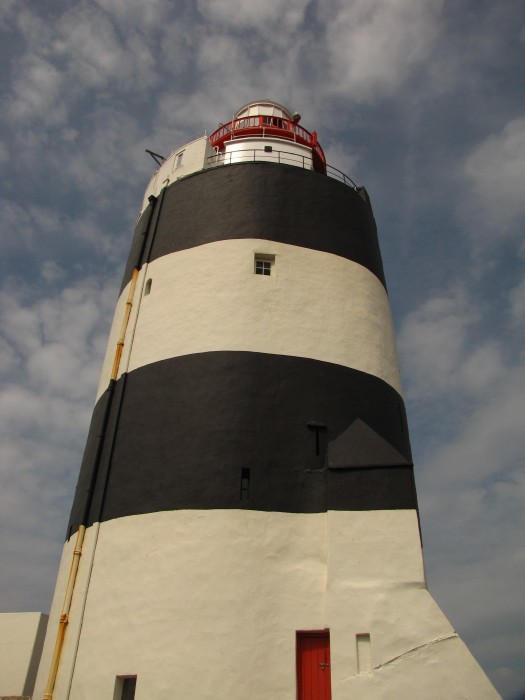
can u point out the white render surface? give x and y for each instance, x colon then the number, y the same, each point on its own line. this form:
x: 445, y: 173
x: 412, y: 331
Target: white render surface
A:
x: 193, y: 292
x: 21, y: 640
x: 207, y: 603
x: 195, y: 156
x: 249, y: 149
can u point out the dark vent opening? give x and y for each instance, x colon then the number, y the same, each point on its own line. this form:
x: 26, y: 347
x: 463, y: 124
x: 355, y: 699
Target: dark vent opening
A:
x: 245, y: 484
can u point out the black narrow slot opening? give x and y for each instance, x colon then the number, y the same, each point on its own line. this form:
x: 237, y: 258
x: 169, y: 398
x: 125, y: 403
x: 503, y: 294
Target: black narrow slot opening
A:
x: 317, y: 437
x: 245, y: 484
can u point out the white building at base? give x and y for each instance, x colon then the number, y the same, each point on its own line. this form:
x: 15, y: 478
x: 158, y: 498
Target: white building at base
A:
x: 21, y: 641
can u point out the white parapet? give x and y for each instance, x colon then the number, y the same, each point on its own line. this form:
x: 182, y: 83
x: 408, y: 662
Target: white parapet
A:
x: 185, y: 160
x: 21, y: 641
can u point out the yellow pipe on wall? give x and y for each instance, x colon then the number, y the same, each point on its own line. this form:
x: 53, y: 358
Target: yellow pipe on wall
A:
x: 77, y: 552
x: 125, y: 321
x: 64, y: 617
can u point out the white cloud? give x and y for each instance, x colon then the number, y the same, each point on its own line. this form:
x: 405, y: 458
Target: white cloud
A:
x: 4, y: 152
x: 137, y: 14
x: 488, y: 439
x: 80, y: 51
x: 8, y: 358
x: 466, y: 393
x: 508, y: 680
x: 442, y: 351
x: 493, y: 176
x: 517, y: 302
x: 98, y: 56
x: 340, y: 156
x: 36, y: 32
x: 37, y: 93
x: 53, y: 350
x: 471, y: 488
x: 69, y: 134
x: 6, y: 9
x: 241, y: 14
x: 15, y: 217
x: 375, y: 45
x: 110, y: 149
x: 58, y: 340
x: 51, y: 271
x: 35, y: 228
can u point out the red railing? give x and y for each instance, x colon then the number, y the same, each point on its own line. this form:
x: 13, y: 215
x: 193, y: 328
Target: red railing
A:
x: 263, y: 125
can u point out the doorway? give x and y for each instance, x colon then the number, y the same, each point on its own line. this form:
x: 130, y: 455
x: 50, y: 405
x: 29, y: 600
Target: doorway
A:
x: 313, y: 665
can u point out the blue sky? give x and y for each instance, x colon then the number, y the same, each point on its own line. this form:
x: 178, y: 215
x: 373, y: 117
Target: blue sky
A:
x: 421, y: 102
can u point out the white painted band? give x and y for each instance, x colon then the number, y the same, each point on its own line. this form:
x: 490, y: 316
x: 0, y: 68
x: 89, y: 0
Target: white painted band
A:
x: 206, y: 299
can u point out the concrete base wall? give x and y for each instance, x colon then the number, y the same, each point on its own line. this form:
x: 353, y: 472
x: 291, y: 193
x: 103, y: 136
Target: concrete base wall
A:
x: 207, y: 603
x: 21, y: 641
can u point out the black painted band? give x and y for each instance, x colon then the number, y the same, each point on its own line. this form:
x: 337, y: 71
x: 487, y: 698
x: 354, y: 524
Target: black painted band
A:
x: 261, y: 200
x: 248, y: 430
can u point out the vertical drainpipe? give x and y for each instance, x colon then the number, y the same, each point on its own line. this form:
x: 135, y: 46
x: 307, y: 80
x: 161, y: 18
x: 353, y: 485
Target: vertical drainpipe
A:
x: 81, y: 533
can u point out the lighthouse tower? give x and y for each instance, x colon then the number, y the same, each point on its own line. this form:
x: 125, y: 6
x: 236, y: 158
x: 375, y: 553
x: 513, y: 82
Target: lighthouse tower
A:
x: 245, y: 524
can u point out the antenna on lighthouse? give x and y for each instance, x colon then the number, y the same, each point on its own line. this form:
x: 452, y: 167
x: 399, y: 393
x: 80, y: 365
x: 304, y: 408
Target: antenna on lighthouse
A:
x: 156, y: 157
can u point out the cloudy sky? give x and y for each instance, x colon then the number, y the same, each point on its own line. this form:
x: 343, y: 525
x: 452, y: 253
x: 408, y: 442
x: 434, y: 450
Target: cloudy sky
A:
x: 420, y: 101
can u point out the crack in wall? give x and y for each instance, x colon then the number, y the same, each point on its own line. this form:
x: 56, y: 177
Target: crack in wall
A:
x: 454, y: 635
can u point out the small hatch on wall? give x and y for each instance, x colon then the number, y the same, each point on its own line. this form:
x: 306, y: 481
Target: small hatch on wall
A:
x: 147, y: 288
x: 264, y: 264
x: 364, y: 653
x: 178, y: 159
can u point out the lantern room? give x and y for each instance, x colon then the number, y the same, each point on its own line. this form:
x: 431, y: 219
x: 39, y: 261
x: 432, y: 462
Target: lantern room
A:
x: 265, y: 130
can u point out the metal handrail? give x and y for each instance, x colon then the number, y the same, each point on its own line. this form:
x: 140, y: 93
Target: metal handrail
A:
x: 250, y: 154
x: 340, y: 175
x: 284, y: 157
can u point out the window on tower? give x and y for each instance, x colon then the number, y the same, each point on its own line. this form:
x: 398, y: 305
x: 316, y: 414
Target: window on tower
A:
x: 263, y: 267
x: 178, y: 159
x: 263, y: 264
x: 125, y: 687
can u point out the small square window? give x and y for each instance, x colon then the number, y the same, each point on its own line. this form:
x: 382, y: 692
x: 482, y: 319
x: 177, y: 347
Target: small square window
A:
x: 263, y: 267
x: 264, y: 264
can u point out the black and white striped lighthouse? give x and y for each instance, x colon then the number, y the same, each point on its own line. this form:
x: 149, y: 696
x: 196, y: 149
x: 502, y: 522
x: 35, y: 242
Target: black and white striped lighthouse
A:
x: 245, y: 524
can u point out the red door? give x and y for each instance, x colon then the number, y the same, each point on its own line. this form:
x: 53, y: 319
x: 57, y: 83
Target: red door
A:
x: 313, y: 665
